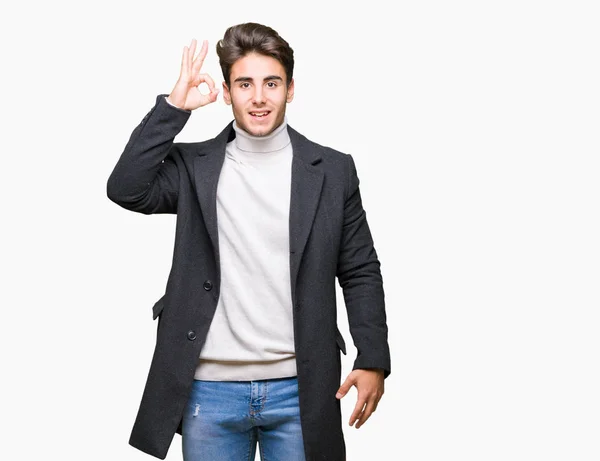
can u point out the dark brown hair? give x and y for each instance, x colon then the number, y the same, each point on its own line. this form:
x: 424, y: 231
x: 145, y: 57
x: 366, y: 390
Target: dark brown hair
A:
x: 251, y: 37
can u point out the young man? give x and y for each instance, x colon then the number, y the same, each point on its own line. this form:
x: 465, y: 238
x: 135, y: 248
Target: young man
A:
x: 247, y: 347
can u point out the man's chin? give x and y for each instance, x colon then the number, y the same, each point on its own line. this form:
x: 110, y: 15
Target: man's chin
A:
x: 260, y: 130
x: 260, y: 133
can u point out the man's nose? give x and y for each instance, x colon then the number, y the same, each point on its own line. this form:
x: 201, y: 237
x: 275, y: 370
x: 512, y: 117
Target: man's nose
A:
x: 259, y: 96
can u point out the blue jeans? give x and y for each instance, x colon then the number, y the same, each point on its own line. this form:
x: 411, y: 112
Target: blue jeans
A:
x: 223, y: 420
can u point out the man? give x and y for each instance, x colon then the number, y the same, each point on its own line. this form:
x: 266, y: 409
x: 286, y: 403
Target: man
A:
x: 247, y: 347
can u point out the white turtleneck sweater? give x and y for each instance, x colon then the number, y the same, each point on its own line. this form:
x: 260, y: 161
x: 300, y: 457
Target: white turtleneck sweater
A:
x: 251, y: 336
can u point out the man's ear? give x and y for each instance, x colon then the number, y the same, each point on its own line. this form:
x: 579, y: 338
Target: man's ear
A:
x: 226, y: 95
x: 290, y: 91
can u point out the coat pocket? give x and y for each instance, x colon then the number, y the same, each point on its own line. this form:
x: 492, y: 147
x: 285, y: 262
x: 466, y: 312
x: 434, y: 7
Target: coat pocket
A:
x: 339, y: 339
x: 158, y: 307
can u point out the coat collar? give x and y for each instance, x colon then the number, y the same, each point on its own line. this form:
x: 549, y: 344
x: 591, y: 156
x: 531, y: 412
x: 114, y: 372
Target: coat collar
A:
x: 307, y: 182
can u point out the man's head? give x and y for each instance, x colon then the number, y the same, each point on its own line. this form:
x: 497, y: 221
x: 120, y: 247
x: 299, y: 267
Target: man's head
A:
x: 258, y: 68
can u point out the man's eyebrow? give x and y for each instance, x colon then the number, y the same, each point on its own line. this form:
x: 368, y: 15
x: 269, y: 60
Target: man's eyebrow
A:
x: 250, y: 79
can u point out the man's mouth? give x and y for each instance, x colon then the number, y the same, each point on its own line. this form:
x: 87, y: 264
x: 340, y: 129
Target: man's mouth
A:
x: 260, y: 114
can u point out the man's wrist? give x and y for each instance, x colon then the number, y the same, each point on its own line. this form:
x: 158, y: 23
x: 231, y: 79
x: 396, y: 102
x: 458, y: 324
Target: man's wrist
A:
x: 379, y: 370
x: 175, y: 105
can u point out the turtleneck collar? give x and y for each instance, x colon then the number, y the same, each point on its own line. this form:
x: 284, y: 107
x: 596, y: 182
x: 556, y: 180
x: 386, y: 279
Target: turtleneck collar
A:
x: 274, y: 141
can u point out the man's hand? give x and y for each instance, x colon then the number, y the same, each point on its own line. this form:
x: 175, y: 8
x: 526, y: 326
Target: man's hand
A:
x: 370, y: 387
x: 186, y: 94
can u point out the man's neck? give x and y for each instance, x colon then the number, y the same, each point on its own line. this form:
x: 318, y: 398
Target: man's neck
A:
x: 275, y: 140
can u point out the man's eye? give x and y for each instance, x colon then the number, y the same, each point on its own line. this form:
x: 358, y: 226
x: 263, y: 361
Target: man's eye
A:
x: 245, y: 85
x: 272, y: 84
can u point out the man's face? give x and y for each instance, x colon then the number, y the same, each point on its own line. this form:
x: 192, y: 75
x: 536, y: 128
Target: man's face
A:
x: 258, y: 93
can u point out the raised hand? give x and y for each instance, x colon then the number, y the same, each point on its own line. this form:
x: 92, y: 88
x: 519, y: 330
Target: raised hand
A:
x: 186, y: 94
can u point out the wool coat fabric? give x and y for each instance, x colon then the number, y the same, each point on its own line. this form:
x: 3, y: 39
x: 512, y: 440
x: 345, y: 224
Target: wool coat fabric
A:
x: 329, y: 239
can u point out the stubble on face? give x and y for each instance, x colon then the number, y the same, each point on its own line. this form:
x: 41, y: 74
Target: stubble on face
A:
x: 241, y: 114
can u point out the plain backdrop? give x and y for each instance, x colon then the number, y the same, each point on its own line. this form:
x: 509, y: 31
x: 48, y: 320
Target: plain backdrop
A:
x: 474, y: 127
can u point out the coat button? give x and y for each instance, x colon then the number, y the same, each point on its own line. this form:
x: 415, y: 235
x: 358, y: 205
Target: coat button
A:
x: 208, y: 285
x: 191, y: 335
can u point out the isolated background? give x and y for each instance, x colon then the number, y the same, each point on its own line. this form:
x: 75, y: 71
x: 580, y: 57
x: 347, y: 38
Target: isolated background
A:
x: 474, y: 127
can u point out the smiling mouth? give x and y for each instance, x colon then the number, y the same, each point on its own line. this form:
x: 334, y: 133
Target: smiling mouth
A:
x: 260, y: 114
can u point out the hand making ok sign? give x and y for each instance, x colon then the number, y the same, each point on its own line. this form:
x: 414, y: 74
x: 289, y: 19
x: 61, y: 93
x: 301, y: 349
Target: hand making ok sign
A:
x: 186, y: 94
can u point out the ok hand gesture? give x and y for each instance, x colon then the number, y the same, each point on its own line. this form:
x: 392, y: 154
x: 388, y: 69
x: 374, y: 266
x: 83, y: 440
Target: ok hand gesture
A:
x: 186, y: 94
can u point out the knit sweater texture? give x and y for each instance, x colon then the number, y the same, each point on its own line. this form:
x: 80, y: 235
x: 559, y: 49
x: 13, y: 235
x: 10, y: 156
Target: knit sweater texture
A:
x: 251, y: 336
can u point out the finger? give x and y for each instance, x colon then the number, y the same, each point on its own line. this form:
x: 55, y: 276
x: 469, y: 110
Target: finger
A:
x: 377, y: 400
x: 208, y: 98
x: 208, y: 80
x: 184, y: 61
x: 344, y: 388
x: 183, y: 58
x: 213, y: 95
x: 197, y: 64
x: 366, y: 414
x: 214, y: 92
x: 191, y: 54
x: 357, y: 411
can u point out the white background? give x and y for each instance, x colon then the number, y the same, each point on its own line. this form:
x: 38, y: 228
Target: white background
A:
x: 474, y: 127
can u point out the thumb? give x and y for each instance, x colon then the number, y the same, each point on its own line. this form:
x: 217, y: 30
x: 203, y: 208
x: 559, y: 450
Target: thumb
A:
x: 344, y: 388
x: 213, y: 94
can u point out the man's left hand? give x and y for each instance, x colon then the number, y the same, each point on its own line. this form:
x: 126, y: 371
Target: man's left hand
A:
x: 369, y: 384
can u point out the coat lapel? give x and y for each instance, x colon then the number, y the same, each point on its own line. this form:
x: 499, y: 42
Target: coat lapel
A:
x: 307, y: 181
x: 207, y: 168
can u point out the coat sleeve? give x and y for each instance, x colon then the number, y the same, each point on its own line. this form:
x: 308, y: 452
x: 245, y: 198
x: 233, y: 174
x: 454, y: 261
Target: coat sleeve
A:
x: 146, y: 177
x: 359, y: 275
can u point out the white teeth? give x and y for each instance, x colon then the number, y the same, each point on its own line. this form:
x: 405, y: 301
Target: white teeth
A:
x: 259, y: 114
